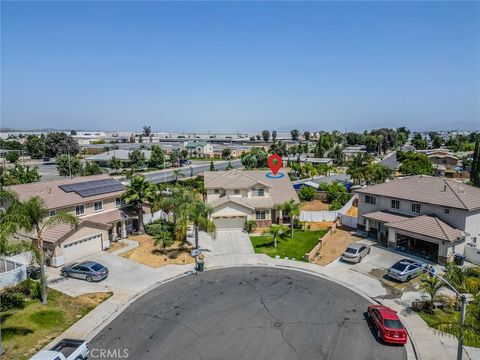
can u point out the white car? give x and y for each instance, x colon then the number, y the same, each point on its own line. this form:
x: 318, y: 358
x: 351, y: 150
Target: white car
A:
x: 355, y: 253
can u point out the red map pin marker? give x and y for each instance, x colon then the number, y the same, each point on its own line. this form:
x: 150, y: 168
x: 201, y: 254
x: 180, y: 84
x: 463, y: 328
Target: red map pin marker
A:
x: 274, y: 163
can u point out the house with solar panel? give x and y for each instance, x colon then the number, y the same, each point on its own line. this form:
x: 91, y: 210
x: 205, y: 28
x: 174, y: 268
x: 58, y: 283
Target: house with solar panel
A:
x: 96, y: 201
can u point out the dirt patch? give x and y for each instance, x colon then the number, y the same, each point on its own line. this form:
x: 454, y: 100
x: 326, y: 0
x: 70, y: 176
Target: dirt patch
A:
x: 335, y: 244
x: 93, y: 299
x: 314, y: 205
x: 114, y: 246
x: 148, y: 254
x: 318, y: 225
x: 353, y: 211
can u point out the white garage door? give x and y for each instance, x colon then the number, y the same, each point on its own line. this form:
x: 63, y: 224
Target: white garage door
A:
x: 229, y: 223
x: 83, y: 247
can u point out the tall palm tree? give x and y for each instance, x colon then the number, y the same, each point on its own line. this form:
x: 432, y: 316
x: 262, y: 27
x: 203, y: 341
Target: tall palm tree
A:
x: 275, y: 230
x: 292, y: 210
x: 176, y: 174
x: 199, y: 214
x: 457, y: 276
x: 138, y: 194
x: 29, y: 215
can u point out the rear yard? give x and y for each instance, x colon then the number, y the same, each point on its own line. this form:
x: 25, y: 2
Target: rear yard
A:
x: 296, y: 247
x: 335, y: 244
x: 314, y: 205
x: 26, y: 331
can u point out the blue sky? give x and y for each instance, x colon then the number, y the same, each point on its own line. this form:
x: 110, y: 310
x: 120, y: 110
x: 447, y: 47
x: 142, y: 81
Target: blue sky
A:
x: 240, y: 66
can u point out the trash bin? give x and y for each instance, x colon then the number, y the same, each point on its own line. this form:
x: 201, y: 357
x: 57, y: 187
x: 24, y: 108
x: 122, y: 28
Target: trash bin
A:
x: 200, y: 265
x: 459, y: 259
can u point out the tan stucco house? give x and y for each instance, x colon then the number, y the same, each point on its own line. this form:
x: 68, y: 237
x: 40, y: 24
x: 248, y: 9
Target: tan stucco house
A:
x: 237, y: 196
x: 95, y: 201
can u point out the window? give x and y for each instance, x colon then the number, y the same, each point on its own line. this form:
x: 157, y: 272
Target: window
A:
x: 52, y: 213
x: 416, y: 208
x: 258, y: 192
x: 98, y: 205
x: 236, y: 192
x: 396, y: 204
x: 217, y: 191
x: 260, y: 214
x: 369, y: 199
x: 80, y: 210
x: 446, y: 211
x: 119, y: 202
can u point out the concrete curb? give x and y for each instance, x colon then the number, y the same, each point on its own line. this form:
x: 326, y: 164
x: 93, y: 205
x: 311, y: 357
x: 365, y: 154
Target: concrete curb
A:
x: 336, y: 281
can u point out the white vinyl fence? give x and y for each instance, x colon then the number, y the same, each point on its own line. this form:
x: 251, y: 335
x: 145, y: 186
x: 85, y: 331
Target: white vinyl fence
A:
x: 319, y: 216
x: 11, y: 273
x: 149, y: 218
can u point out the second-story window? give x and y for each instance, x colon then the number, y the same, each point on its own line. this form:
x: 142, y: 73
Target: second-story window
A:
x: 119, y: 202
x: 52, y: 213
x: 236, y: 192
x: 80, y: 210
x: 98, y: 205
x: 396, y: 204
x: 416, y: 208
x: 369, y: 199
x: 446, y: 211
x: 258, y: 192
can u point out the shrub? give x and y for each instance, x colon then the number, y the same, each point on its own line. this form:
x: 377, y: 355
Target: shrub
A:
x: 30, y: 288
x: 250, y: 226
x: 157, y: 228
x: 12, y: 299
x: 306, y: 193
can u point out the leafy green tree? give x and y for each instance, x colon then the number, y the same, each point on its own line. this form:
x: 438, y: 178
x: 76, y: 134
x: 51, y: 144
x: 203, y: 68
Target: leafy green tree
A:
x: 136, y: 159
x: 229, y: 166
x: 35, y: 146
x: 337, y: 195
x: 378, y: 173
x: 212, y: 166
x: 29, y: 216
x: 91, y: 168
x: 337, y: 155
x: 157, y: 156
x: 292, y: 210
x: 19, y: 174
x: 115, y: 163
x: 475, y: 167
x: 276, y: 230
x: 176, y: 174
x: 306, y: 193
x: 437, y: 142
x: 416, y: 164
x: 147, y: 131
x: 265, y: 135
x: 274, y: 135
x: 58, y: 143
x: 306, y: 135
x: 68, y: 165
x: 419, y: 142
x: 357, y: 169
x: 139, y: 193
x: 226, y: 153
x: 256, y: 158
x: 184, y: 154
x: 12, y: 157
x: 295, y: 134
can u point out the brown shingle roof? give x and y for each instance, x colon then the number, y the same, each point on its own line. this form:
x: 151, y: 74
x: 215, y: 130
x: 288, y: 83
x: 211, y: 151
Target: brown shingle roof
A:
x: 428, y: 225
x: 429, y: 190
x: 56, y: 198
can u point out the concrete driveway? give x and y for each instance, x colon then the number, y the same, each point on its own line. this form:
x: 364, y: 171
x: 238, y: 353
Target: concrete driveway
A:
x: 226, y: 242
x: 126, y: 276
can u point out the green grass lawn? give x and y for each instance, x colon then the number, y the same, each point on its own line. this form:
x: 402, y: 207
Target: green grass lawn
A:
x: 296, y: 247
x: 26, y: 331
x: 444, y: 316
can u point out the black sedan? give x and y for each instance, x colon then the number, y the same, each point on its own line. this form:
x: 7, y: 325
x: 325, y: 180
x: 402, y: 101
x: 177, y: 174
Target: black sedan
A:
x: 86, y: 270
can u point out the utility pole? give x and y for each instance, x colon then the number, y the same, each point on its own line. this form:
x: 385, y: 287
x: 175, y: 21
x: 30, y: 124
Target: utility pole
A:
x: 462, y: 324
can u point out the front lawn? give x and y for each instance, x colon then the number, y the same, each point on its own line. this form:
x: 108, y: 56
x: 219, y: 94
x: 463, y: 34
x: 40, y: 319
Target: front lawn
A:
x: 296, y: 247
x: 26, y: 331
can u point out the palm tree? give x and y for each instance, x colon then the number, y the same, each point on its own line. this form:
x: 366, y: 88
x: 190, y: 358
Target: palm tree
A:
x: 457, y: 276
x: 275, y: 230
x: 138, y: 194
x: 176, y: 174
x: 29, y: 216
x: 431, y: 285
x: 291, y: 209
x: 199, y: 213
x: 165, y: 239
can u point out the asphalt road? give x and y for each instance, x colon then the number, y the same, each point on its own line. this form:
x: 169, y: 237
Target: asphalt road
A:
x: 189, y: 171
x: 246, y: 313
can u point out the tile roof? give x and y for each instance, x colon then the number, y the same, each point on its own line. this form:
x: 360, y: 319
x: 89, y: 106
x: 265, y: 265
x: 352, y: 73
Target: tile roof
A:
x: 280, y: 189
x: 121, y: 154
x: 428, y: 225
x: 56, y: 198
x: 386, y: 216
x: 429, y: 190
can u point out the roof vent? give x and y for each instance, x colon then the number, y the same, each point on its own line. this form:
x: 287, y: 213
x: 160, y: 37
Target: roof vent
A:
x: 444, y: 188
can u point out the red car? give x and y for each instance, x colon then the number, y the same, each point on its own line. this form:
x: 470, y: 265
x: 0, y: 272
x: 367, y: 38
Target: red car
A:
x: 389, y: 327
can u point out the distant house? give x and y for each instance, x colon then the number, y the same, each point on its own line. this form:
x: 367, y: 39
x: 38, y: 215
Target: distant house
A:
x: 350, y: 151
x: 305, y: 159
x: 199, y: 149
x: 121, y: 154
x: 97, y: 204
x: 431, y: 216
x: 237, y: 196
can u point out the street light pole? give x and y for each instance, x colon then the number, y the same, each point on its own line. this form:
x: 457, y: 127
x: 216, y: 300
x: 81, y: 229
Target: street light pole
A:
x: 462, y: 323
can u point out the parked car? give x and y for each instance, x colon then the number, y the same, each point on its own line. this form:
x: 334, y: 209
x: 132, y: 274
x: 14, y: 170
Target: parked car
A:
x: 185, y: 162
x: 87, y: 270
x: 355, y: 253
x: 66, y: 349
x: 388, y: 325
x: 406, y: 269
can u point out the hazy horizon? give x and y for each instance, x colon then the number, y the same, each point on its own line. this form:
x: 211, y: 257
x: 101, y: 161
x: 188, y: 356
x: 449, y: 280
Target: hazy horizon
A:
x: 225, y: 67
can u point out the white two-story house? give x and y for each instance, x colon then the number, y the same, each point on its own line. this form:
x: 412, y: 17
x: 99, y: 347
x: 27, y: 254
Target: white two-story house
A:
x: 237, y: 196
x: 434, y: 217
x: 97, y: 204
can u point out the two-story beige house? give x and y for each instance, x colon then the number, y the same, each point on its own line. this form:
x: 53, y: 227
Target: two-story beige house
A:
x: 96, y: 201
x: 434, y: 217
x: 237, y: 196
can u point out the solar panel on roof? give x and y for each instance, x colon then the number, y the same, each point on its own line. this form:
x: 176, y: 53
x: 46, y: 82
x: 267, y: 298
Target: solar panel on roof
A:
x: 93, y: 187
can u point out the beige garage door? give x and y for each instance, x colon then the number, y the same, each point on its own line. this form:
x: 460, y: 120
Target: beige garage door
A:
x: 229, y: 223
x: 81, y: 248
